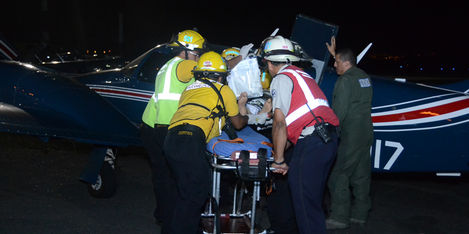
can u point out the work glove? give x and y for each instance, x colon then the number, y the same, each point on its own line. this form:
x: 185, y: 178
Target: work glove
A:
x: 244, y: 51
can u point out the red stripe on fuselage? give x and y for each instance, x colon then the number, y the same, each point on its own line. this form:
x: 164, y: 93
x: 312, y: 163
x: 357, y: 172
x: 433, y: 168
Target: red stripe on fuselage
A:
x: 122, y: 93
x: 423, y: 113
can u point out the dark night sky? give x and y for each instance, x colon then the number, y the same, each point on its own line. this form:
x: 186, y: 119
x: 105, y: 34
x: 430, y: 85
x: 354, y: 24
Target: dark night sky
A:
x: 395, y: 27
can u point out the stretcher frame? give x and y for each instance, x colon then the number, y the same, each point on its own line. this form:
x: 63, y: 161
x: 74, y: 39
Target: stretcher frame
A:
x: 220, y: 164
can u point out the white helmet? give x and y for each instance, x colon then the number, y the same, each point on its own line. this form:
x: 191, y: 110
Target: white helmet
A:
x: 279, y: 49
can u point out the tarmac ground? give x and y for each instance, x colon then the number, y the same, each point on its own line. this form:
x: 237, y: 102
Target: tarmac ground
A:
x: 41, y: 193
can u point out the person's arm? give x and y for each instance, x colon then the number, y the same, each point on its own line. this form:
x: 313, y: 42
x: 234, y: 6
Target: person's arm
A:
x: 341, y: 98
x: 280, y: 89
x: 237, y: 120
x: 279, y: 137
x: 331, y: 47
x: 184, y: 70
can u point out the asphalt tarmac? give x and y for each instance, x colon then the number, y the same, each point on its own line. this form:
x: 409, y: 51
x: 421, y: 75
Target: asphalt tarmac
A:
x: 40, y: 193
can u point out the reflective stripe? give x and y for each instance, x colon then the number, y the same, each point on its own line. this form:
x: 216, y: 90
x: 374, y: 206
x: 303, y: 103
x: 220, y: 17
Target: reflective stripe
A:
x: 169, y: 96
x: 312, y: 102
x: 304, y: 109
x: 166, y: 94
x: 154, y: 97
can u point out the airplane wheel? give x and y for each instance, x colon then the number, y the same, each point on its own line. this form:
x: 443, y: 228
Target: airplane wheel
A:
x: 106, y: 184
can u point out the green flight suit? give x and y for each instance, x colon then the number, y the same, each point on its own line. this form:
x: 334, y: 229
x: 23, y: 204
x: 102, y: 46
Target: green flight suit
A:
x: 351, y: 174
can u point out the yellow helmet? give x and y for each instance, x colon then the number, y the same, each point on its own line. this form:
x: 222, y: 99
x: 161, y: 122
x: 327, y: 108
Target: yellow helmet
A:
x: 266, y: 78
x: 211, y: 62
x: 210, y: 65
x: 189, y: 39
x: 230, y: 53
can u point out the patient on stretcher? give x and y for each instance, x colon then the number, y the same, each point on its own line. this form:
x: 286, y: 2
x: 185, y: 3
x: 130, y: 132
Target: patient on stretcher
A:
x: 259, y: 110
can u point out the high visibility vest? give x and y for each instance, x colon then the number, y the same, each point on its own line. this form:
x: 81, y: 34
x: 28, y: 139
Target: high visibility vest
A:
x: 307, y: 97
x: 164, y: 102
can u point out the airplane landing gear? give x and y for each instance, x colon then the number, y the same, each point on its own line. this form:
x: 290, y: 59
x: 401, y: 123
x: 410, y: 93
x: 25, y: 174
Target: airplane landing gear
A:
x: 106, y: 183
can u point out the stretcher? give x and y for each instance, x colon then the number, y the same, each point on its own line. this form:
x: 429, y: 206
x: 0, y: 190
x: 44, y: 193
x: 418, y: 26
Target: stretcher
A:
x: 249, y: 157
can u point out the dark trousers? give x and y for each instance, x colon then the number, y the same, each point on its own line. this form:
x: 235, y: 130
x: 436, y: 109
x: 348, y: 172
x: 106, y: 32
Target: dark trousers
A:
x: 309, y: 168
x: 279, y: 203
x: 185, y: 151
x: 165, y: 192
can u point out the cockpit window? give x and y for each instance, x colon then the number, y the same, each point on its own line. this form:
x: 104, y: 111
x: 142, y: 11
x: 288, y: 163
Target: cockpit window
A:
x: 149, y: 63
x: 150, y: 67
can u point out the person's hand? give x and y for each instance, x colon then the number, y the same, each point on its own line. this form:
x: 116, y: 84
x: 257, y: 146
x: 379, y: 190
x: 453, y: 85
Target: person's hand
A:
x: 331, y: 47
x: 267, y: 106
x: 242, y: 100
x: 244, y: 51
x: 280, y: 169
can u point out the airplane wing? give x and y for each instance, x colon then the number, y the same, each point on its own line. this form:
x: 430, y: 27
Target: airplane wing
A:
x: 45, y: 104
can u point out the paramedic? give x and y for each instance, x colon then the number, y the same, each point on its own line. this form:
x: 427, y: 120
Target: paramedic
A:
x: 203, y: 109
x: 170, y: 81
x: 302, y: 118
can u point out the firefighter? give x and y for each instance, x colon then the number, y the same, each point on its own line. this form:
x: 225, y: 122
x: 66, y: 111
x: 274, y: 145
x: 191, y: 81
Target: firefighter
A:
x: 204, y: 109
x: 170, y: 81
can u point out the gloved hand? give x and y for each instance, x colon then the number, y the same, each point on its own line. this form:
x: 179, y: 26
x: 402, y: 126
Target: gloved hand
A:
x: 244, y: 51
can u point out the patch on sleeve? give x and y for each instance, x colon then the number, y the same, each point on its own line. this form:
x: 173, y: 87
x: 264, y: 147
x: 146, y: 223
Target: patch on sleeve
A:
x: 273, y: 93
x: 364, y: 83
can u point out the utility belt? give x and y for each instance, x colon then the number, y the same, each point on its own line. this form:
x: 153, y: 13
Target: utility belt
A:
x: 161, y: 125
x: 323, y: 131
x: 189, y: 129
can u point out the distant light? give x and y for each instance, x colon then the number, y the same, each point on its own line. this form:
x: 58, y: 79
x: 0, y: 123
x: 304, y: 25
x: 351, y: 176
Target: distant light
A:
x: 401, y: 66
x: 421, y: 69
x: 453, y: 68
x: 68, y: 52
x: 441, y: 69
x: 48, y: 56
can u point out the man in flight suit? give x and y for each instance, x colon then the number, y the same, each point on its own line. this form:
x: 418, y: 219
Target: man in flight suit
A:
x: 352, y: 104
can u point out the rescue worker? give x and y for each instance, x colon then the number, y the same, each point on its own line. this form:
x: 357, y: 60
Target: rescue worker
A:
x: 170, y: 81
x: 304, y: 120
x: 351, y: 102
x: 230, y: 53
x: 204, y: 108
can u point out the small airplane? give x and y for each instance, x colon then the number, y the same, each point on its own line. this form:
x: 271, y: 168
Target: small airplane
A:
x: 418, y: 128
